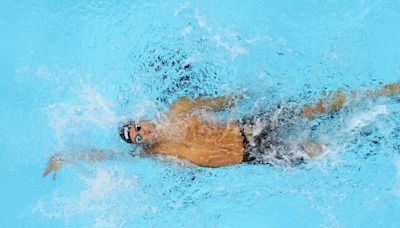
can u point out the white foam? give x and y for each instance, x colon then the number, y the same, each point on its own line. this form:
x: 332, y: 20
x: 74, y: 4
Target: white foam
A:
x: 109, y: 200
x: 365, y: 118
x: 223, y: 37
x: 201, y: 21
x: 187, y: 30
x: 91, y: 107
x: 235, y: 49
x: 255, y: 39
x: 338, y: 139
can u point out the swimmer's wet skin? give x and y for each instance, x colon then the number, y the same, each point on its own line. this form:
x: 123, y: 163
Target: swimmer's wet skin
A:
x: 334, y: 102
x: 183, y: 134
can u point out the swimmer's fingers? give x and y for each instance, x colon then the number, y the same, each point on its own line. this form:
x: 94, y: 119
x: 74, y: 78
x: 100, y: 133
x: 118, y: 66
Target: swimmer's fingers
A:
x: 55, y: 175
x: 47, y: 171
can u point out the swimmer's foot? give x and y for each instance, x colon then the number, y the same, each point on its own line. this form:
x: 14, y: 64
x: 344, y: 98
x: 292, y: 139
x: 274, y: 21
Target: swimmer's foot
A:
x: 313, y: 149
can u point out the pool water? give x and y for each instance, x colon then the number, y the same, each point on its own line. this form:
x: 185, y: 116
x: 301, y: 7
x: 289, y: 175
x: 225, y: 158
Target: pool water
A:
x: 72, y: 71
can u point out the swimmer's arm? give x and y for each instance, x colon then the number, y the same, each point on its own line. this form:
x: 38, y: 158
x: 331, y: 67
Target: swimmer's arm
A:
x: 56, y: 161
x: 184, y: 104
x: 336, y: 101
x: 330, y: 104
x: 218, y: 103
x: 94, y: 156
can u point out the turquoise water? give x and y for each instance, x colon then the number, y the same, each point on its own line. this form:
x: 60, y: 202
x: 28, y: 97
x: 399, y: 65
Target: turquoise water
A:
x: 72, y: 71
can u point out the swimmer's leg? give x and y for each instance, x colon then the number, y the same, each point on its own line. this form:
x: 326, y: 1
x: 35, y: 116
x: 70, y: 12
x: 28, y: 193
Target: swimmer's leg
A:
x: 336, y: 101
x: 313, y: 149
x: 387, y: 90
x: 330, y: 104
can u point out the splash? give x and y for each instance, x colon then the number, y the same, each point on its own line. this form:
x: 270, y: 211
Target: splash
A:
x: 338, y: 133
x: 71, y: 117
x: 364, y: 118
x: 110, y: 199
x: 223, y: 37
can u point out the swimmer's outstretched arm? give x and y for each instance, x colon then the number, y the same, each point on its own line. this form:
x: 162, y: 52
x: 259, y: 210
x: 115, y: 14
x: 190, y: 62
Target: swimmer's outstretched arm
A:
x: 57, y: 160
x: 336, y: 101
x: 184, y: 104
x: 218, y: 103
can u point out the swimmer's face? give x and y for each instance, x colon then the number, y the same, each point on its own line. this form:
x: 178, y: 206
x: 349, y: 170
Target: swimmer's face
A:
x: 141, y: 132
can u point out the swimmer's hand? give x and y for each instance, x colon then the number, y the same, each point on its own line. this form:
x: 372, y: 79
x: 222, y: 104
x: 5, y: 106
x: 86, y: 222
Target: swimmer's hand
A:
x: 55, y: 163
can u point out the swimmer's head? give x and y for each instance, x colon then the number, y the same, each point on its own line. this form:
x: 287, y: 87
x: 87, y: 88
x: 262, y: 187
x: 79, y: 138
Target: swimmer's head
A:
x: 140, y: 132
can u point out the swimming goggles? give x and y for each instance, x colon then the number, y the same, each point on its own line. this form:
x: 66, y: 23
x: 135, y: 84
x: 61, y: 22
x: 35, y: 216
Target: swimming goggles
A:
x: 125, y: 133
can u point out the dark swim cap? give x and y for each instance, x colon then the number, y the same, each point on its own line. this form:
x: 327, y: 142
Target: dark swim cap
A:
x: 124, y: 133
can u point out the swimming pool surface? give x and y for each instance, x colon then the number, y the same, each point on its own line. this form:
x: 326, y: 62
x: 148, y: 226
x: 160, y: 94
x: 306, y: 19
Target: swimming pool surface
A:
x: 72, y: 71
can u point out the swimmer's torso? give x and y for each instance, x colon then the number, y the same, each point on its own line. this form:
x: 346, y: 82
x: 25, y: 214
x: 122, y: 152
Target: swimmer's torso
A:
x: 201, y: 142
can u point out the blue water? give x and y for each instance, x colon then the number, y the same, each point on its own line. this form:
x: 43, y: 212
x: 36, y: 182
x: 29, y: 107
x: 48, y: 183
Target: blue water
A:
x: 72, y: 71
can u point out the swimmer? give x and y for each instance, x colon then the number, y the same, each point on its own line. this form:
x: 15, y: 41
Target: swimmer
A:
x: 183, y: 133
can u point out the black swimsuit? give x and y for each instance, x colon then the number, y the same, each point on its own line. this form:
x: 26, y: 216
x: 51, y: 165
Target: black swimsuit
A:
x: 271, y: 137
